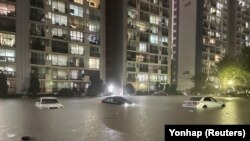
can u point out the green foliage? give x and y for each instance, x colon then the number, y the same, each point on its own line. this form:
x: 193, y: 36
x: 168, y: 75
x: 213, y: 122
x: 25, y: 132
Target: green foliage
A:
x: 235, y: 70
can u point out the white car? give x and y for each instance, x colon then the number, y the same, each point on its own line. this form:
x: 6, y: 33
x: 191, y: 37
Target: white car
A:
x: 202, y: 102
x: 48, y: 103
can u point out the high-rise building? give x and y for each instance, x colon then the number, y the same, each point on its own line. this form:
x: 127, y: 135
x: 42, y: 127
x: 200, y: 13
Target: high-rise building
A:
x: 208, y: 29
x: 141, y: 43
x: 62, y: 41
x: 239, y: 19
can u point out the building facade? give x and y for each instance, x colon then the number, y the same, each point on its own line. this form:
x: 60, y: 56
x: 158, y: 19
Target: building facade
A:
x: 62, y: 41
x: 142, y: 43
x: 215, y: 28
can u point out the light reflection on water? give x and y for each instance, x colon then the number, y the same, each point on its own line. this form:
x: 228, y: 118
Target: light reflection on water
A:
x: 86, y: 119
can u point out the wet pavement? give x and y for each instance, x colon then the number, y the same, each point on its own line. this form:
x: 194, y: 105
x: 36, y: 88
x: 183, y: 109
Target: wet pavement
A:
x: 86, y: 119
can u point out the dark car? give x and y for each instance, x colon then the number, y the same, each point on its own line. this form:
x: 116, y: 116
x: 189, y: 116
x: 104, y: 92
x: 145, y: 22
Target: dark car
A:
x: 118, y: 100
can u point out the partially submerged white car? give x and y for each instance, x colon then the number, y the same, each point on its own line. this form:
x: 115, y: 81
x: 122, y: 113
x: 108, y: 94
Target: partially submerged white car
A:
x: 48, y: 103
x: 202, y: 102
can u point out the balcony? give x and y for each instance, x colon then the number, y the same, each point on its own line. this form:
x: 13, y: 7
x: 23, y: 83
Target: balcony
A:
x: 133, y: 48
x: 37, y: 3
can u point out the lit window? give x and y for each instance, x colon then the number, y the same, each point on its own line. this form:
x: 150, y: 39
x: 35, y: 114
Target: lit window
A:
x: 154, y: 29
x: 76, y: 10
x: 7, y: 40
x: 58, y: 6
x: 142, y: 77
x: 247, y: 25
x: 132, y: 13
x: 153, y: 78
x: 94, y: 26
x: 59, y: 20
x: 143, y: 47
x: 212, y: 41
x: 164, y: 41
x: 76, y: 36
x: 219, y: 5
x: 59, y: 60
x: 7, y: 9
x: 78, y: 1
x: 155, y: 19
x: 154, y: 39
x: 76, y: 49
x: 94, y: 63
x: 142, y: 26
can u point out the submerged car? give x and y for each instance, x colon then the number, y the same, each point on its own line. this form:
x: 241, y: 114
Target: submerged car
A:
x: 202, y: 102
x: 48, y: 103
x: 117, y: 100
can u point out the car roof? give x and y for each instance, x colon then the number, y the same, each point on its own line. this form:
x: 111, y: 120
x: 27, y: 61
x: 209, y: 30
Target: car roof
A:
x: 48, y: 98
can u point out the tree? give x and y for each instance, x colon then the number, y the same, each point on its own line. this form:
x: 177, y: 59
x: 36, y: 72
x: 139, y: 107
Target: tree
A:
x: 158, y: 86
x: 200, y: 82
x: 3, y: 83
x: 234, y: 72
x: 96, y: 86
x: 130, y: 89
x: 34, y: 83
x: 167, y: 88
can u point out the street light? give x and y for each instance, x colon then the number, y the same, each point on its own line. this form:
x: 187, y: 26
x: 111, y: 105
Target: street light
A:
x: 230, y: 82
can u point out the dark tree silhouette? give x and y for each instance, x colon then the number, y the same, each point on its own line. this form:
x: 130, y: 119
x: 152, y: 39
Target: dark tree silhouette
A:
x: 96, y: 86
x: 130, y: 89
x: 34, y: 83
x: 3, y: 83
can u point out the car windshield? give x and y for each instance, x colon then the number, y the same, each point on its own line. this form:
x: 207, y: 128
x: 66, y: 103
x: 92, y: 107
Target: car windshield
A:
x: 49, y: 101
x: 195, y: 98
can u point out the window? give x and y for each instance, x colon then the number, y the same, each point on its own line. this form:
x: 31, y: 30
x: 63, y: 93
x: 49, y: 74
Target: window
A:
x: 94, y: 63
x: 94, y: 39
x: 7, y: 9
x: 94, y: 26
x: 37, y: 58
x: 7, y: 55
x: 76, y: 49
x: 75, y: 74
x: 131, y: 77
x: 76, y: 62
x: 94, y: 51
x: 154, y: 29
x: 59, y: 60
x: 58, y: 6
x: 78, y: 1
x: 76, y: 10
x: 153, y: 39
x: 142, y: 77
x: 61, y: 74
x: 162, y: 78
x: 155, y: 19
x: 143, y: 47
x: 164, y: 41
x: 131, y: 66
x: 132, y: 13
x: 59, y: 19
x: 143, y: 67
x: 76, y: 36
x: 131, y: 35
x: 7, y: 40
x: 59, y: 33
x: 219, y: 6
x: 152, y: 78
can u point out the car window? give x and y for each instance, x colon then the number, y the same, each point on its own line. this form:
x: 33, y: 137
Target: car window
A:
x: 49, y: 101
x: 212, y: 99
x: 195, y: 98
x: 207, y: 99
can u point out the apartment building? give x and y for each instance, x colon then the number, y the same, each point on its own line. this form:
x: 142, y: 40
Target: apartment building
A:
x: 209, y: 29
x: 141, y: 42
x: 60, y: 40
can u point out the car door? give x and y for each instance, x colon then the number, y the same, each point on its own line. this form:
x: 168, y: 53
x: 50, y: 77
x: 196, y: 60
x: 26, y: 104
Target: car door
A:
x: 208, y: 102
x: 215, y: 102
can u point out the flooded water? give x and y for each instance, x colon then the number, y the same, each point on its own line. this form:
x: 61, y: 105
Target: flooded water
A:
x: 86, y: 119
